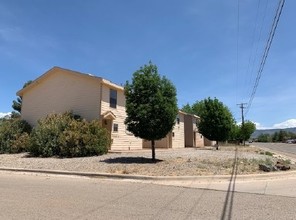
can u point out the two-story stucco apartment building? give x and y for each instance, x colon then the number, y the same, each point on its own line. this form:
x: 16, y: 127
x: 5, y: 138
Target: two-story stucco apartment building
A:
x: 60, y: 90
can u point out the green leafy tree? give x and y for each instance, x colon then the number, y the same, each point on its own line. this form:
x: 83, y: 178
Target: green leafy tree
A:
x: 291, y: 135
x: 264, y: 138
x: 216, y: 120
x: 235, y: 135
x: 151, y: 105
x: 17, y: 104
x: 187, y: 108
x: 246, y: 130
x: 275, y: 137
x: 282, y: 136
x: 196, y: 108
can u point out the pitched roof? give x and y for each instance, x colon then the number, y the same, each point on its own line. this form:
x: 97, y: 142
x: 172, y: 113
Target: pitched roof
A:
x: 55, y: 68
x: 185, y: 113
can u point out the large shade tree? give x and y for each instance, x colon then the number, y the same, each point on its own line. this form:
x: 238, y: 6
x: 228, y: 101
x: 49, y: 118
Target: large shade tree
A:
x: 151, y: 105
x: 216, y: 121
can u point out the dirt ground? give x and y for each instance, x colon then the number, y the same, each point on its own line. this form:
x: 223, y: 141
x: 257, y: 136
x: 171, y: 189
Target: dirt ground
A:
x: 170, y: 162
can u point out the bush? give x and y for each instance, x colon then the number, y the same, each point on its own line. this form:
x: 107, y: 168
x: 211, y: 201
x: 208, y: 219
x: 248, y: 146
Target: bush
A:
x: 66, y: 135
x: 14, y: 135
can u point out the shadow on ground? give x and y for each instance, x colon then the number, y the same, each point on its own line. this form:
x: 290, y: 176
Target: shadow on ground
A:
x: 228, y: 204
x: 130, y: 160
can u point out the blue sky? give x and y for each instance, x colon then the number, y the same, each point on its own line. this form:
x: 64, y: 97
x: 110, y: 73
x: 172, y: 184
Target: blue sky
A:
x: 206, y: 48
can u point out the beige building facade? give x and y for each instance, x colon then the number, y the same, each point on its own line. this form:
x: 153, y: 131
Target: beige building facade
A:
x: 184, y: 134
x: 60, y: 90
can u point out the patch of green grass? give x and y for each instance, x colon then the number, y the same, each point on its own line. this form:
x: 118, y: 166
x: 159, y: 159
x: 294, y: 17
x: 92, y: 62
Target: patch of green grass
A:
x: 268, y: 153
x: 285, y: 162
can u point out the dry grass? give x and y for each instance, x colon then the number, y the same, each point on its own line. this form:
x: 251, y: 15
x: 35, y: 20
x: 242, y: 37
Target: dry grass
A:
x: 181, y: 162
x: 192, y: 166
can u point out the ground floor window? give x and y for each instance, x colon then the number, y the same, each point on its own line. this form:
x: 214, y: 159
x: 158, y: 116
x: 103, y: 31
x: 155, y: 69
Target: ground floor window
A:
x: 115, y: 127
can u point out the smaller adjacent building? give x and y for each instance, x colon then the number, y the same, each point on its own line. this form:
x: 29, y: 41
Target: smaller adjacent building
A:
x: 184, y: 134
x: 59, y: 90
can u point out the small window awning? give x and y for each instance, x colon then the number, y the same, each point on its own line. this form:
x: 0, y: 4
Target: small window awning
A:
x: 108, y: 115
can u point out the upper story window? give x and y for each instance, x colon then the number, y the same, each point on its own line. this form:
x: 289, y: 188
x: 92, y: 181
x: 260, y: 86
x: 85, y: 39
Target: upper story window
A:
x: 113, y: 98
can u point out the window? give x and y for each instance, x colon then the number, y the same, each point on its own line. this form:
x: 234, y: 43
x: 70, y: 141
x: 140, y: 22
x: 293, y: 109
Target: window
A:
x: 115, y: 127
x: 178, y: 120
x: 113, y: 98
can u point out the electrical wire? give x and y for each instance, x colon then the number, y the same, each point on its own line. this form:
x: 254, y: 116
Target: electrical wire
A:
x: 266, y: 51
x: 252, y: 57
x: 237, y: 49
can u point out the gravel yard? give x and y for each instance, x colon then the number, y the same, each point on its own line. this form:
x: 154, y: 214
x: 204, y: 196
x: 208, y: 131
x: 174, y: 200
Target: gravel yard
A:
x: 177, y: 162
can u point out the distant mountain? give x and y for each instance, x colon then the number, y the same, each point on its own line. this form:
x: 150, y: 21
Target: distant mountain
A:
x: 271, y: 131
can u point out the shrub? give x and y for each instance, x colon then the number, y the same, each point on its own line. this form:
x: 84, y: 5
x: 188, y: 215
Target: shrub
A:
x: 14, y: 135
x: 268, y: 153
x: 44, y: 137
x: 66, y: 135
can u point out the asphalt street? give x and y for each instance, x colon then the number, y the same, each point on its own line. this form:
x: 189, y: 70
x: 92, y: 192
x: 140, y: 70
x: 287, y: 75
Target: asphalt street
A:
x: 31, y: 196
x: 285, y: 149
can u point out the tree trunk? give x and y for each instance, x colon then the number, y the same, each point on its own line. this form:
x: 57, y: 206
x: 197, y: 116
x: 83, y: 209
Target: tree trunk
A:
x: 153, y: 150
x: 217, y: 145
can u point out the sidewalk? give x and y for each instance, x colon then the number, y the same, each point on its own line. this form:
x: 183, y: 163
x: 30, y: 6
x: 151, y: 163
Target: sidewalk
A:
x: 285, y: 186
x: 276, y: 183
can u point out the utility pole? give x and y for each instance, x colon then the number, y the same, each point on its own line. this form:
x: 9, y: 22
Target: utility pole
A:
x: 242, y: 106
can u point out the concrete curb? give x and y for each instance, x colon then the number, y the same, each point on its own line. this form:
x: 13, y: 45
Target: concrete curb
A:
x: 214, y: 178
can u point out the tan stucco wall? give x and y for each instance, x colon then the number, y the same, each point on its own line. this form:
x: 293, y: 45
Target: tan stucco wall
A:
x: 62, y: 92
x: 174, y: 139
x: 178, y: 139
x: 199, y: 141
x: 162, y: 143
x: 121, y: 140
x: 208, y: 142
x: 189, y: 131
x: 192, y: 137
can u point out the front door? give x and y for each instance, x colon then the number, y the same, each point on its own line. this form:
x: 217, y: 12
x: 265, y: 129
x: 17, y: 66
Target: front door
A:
x: 107, y: 124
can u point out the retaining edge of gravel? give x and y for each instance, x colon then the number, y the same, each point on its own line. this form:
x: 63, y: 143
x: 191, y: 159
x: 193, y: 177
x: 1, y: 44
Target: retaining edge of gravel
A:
x: 245, y: 177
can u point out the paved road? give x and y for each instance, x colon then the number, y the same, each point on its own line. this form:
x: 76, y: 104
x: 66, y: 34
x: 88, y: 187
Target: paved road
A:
x: 55, y: 197
x: 287, y: 149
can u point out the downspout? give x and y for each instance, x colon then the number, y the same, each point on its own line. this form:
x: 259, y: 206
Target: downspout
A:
x: 101, y: 90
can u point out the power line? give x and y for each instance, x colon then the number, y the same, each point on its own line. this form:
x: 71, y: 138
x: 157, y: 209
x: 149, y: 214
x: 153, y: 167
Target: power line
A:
x: 254, y: 47
x: 237, y: 48
x: 266, y: 51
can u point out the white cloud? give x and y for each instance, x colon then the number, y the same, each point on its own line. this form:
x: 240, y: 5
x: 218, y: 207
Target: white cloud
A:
x: 259, y: 126
x: 291, y: 123
x: 2, y: 114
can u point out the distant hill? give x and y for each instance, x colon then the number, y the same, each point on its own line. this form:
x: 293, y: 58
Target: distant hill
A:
x: 271, y: 131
